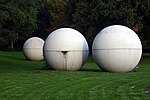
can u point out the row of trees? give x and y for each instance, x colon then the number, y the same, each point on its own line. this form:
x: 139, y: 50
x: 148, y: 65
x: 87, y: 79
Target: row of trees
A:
x: 17, y: 20
x: 22, y: 19
x: 90, y: 16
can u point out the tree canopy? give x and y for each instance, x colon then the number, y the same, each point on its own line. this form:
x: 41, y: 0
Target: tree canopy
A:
x: 17, y: 19
x: 24, y: 18
x: 91, y: 16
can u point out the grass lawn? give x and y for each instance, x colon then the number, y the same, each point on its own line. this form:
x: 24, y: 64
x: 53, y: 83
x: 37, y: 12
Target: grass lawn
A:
x: 26, y: 80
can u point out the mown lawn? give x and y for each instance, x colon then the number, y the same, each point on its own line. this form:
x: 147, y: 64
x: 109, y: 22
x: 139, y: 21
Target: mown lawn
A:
x: 21, y: 79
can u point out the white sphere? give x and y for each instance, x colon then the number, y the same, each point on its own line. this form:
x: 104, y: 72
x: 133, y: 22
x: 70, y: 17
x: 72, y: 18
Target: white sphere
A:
x: 117, y: 48
x: 66, y: 49
x: 33, y: 49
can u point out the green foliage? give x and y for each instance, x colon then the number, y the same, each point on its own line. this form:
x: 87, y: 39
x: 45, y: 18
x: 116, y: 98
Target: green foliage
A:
x: 43, y: 22
x: 18, y: 19
x: 24, y: 80
x: 57, y: 9
x: 145, y: 32
x: 90, y: 17
x: 24, y: 18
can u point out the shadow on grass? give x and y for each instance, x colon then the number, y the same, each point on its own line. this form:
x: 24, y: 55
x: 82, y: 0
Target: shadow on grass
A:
x: 44, y: 68
x: 19, y: 58
x: 91, y: 70
x: 101, y: 70
x: 47, y: 68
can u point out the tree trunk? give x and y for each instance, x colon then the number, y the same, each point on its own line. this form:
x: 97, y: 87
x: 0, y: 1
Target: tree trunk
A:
x: 12, y: 45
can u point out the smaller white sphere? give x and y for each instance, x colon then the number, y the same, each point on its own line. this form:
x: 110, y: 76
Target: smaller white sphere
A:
x: 65, y: 49
x: 33, y: 49
x: 117, y: 48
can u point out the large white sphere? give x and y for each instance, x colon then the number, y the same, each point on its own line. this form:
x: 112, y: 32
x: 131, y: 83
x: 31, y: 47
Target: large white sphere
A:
x: 117, y: 48
x: 65, y: 49
x: 33, y: 49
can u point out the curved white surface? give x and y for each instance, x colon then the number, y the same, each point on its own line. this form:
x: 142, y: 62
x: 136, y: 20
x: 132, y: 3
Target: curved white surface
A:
x: 33, y: 49
x: 66, y: 49
x: 65, y: 39
x: 117, y: 48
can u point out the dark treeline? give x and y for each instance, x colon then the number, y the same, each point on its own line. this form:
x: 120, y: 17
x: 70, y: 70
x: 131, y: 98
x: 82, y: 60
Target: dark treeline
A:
x: 21, y: 19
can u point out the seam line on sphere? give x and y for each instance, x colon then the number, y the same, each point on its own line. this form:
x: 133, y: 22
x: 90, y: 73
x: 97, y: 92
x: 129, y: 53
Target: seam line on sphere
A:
x: 120, y: 49
x: 66, y: 50
x: 31, y: 48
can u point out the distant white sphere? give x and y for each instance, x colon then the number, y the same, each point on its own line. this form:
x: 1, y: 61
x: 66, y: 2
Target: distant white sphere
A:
x: 33, y: 49
x: 117, y: 48
x: 66, y: 49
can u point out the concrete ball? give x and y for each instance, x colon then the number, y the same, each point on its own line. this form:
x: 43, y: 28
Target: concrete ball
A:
x: 33, y: 49
x: 117, y: 48
x: 65, y: 49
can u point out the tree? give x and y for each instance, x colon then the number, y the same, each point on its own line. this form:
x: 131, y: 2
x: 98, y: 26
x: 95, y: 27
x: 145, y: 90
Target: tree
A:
x: 90, y: 16
x: 143, y: 11
x: 43, y: 22
x: 57, y: 8
x: 17, y: 20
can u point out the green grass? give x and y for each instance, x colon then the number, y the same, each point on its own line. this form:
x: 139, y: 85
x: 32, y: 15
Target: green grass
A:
x: 26, y: 80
